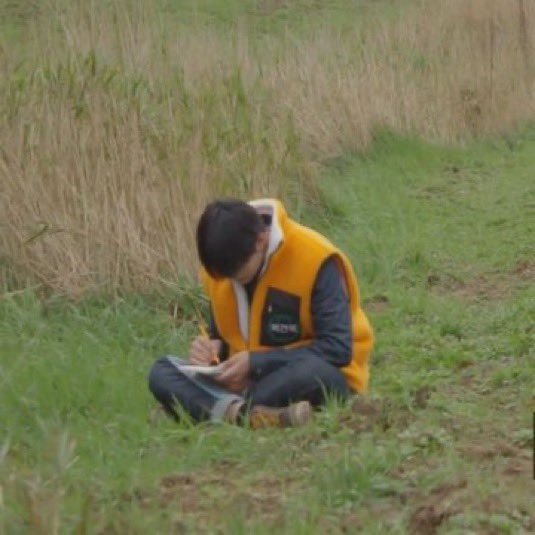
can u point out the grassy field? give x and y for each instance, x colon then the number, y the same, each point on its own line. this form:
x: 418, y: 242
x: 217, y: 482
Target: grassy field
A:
x: 442, y: 240
x: 411, y: 145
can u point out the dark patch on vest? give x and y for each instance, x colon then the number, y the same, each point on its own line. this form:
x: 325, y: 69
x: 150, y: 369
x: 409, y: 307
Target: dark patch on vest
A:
x: 280, y: 318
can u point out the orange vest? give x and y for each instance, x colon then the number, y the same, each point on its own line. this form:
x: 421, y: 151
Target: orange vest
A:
x: 292, y: 269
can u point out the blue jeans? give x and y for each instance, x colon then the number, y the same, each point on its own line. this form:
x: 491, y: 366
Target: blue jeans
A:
x: 306, y: 377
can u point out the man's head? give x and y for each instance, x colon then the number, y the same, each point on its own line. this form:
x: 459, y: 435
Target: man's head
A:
x: 232, y: 240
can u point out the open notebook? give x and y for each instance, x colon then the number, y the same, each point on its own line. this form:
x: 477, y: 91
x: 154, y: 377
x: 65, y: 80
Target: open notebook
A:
x: 191, y: 369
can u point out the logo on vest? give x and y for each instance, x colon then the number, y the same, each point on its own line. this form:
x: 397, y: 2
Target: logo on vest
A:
x: 283, y: 328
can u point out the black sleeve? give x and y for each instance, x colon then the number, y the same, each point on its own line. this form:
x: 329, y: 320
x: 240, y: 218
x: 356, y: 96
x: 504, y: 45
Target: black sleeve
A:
x: 214, y: 335
x: 331, y: 317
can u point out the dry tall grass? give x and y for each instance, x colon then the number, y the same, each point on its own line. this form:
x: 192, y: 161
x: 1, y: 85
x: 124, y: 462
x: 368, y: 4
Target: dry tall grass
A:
x: 119, y: 124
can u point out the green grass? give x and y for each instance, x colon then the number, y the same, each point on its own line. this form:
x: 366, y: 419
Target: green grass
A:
x: 269, y: 16
x: 442, y: 240
x: 260, y: 16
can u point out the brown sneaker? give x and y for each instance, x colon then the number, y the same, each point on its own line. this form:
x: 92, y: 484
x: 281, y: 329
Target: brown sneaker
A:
x: 293, y: 415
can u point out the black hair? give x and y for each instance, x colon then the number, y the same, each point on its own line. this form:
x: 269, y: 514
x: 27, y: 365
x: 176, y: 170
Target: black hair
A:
x: 226, y: 236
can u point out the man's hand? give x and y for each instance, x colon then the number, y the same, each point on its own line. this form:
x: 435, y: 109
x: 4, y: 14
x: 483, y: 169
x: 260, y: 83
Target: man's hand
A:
x: 235, y: 372
x: 203, y: 351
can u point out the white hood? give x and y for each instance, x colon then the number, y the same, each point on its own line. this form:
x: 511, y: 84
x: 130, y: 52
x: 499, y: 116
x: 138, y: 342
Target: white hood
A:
x: 276, y: 237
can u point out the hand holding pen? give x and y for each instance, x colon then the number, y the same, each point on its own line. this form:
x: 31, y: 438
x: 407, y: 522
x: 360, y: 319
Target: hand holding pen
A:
x: 215, y: 351
x: 203, y: 351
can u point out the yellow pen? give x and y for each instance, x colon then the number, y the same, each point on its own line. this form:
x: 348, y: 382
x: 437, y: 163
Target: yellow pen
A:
x: 204, y: 332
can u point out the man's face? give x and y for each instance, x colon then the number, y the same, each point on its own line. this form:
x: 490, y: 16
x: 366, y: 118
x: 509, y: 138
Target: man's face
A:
x: 247, y: 272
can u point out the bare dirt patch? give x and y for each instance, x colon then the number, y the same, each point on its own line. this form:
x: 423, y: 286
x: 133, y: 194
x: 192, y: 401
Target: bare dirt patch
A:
x: 267, y: 7
x: 421, y: 396
x: 187, y: 493
x: 497, y: 467
x: 490, y: 450
x: 465, y: 496
x: 482, y: 287
x: 489, y: 286
x: 525, y: 270
x: 377, y: 304
x: 365, y: 414
x: 362, y: 415
x: 181, y: 490
x: 521, y: 464
x: 264, y: 497
x: 494, y: 504
x: 341, y: 522
x: 260, y: 498
x: 444, y: 501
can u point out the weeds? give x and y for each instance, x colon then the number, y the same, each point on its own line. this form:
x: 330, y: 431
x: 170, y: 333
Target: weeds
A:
x: 120, y: 123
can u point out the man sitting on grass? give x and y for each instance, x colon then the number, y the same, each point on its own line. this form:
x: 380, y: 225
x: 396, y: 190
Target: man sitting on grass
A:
x: 286, y: 322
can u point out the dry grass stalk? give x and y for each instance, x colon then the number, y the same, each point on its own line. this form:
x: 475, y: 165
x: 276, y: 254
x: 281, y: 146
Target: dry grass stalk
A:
x: 121, y: 127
